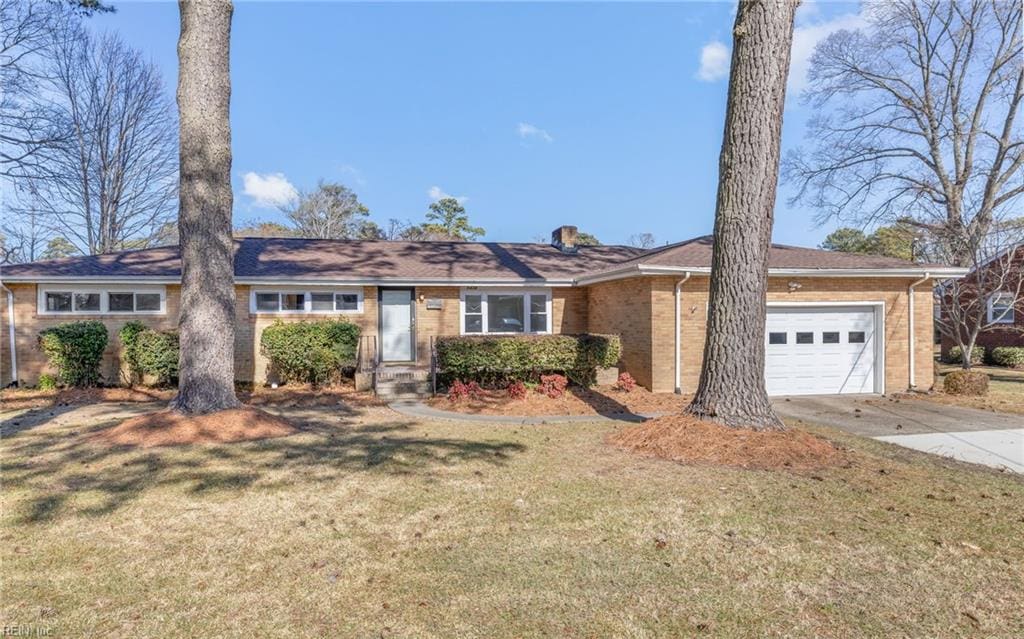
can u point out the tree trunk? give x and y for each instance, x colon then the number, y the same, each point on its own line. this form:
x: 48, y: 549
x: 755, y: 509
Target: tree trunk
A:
x: 207, y: 327
x: 731, y: 389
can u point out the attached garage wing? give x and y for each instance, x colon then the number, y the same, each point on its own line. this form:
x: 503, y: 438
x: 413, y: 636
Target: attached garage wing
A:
x: 826, y: 350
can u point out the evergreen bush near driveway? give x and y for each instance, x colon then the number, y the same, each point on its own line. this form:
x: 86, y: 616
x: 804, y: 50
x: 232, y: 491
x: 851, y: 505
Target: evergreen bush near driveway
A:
x: 1012, y: 356
x: 312, y: 352
x: 490, y: 358
x: 75, y: 349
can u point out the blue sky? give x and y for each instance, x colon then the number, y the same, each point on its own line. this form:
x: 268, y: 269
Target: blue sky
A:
x: 604, y: 115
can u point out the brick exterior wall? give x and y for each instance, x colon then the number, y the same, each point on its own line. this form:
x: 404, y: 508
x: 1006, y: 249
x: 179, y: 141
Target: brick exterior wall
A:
x: 642, y: 311
x: 569, y: 315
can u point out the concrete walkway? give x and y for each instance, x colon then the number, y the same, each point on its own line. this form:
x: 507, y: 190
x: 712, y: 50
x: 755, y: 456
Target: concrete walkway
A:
x: 967, y: 434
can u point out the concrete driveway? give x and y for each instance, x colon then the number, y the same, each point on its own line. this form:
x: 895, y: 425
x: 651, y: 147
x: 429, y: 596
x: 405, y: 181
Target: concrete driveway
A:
x: 981, y: 437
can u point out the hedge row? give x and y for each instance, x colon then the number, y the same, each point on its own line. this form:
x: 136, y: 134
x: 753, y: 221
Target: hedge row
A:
x: 486, y: 357
x: 1012, y: 356
x: 75, y: 349
x: 313, y: 352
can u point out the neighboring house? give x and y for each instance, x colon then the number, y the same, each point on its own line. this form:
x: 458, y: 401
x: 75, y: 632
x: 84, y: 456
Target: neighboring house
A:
x: 837, y: 322
x: 1002, y: 277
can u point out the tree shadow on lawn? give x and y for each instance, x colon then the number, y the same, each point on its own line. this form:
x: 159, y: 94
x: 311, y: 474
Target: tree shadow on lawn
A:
x: 68, y: 471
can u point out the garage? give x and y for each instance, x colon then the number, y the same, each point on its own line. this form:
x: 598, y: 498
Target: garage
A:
x: 826, y: 350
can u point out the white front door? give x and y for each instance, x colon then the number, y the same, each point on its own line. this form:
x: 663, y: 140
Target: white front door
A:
x: 820, y: 351
x: 396, y: 325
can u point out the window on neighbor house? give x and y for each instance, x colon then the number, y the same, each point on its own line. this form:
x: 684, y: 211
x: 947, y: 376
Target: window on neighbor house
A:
x: 506, y: 312
x: 1000, y: 309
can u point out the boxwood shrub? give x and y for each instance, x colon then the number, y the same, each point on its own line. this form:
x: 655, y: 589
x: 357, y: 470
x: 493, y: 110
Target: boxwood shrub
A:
x: 150, y: 352
x: 963, y: 382
x: 1012, y: 356
x: 313, y: 352
x: 955, y: 355
x: 490, y: 358
x: 75, y: 349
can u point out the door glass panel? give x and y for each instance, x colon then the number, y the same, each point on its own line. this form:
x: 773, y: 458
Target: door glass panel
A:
x: 805, y: 338
x: 396, y: 326
x: 830, y: 338
x: 776, y: 338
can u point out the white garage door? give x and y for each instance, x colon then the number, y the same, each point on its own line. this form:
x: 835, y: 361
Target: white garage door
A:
x: 820, y: 351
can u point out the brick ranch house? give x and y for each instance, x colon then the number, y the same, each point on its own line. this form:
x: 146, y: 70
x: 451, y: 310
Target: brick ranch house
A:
x: 1003, y: 308
x: 837, y: 323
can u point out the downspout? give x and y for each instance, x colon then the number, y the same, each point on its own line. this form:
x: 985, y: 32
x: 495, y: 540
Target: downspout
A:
x: 10, y: 332
x: 910, y: 324
x: 678, y: 295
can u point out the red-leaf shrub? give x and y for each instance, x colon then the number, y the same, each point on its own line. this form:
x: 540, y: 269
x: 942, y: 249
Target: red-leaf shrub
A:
x: 459, y: 391
x: 625, y: 382
x: 552, y: 385
x: 516, y: 390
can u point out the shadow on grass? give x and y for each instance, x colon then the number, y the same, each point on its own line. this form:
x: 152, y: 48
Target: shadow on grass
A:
x: 66, y: 471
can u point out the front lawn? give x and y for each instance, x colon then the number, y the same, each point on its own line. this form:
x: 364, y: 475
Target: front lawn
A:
x: 1005, y: 394
x: 367, y: 524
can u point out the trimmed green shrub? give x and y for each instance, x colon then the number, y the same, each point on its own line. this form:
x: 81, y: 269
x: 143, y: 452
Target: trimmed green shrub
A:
x: 157, y: 355
x: 129, y: 336
x: 150, y: 352
x: 313, y: 352
x: 955, y: 355
x: 964, y: 382
x: 492, y: 357
x: 1012, y: 356
x: 75, y: 349
x: 47, y: 382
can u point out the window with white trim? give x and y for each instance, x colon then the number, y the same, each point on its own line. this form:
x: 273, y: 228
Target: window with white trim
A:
x: 299, y: 301
x: 1000, y: 308
x: 505, y: 311
x: 113, y: 300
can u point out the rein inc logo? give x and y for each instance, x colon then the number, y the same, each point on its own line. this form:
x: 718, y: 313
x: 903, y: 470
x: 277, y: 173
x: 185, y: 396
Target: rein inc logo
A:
x: 25, y: 630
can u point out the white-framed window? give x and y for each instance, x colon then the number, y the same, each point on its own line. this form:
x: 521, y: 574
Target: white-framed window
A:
x: 1000, y: 308
x: 504, y: 311
x: 324, y: 301
x: 102, y: 300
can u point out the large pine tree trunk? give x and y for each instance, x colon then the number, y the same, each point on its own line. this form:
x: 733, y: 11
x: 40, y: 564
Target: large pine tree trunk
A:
x: 731, y: 389
x: 207, y: 376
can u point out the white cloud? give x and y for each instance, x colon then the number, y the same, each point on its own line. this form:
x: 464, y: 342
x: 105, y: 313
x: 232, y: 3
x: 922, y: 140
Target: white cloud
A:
x: 436, y: 193
x: 527, y: 130
x: 269, y: 189
x: 807, y: 35
x: 714, y: 61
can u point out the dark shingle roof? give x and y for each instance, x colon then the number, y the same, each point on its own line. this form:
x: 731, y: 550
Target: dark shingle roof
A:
x: 304, y: 259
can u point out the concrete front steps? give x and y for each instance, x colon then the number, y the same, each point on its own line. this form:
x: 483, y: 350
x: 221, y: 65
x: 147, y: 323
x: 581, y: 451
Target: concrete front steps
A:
x: 394, y: 383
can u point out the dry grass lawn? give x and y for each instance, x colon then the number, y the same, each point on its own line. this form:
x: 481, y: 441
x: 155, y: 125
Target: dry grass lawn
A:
x: 365, y: 524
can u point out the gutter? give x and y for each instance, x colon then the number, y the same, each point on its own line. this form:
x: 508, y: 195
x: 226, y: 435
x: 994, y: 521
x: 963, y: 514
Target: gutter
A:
x: 678, y: 340
x: 910, y: 328
x: 10, y: 334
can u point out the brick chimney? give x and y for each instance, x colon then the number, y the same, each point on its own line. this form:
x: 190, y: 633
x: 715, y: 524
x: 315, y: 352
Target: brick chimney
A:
x: 564, y: 238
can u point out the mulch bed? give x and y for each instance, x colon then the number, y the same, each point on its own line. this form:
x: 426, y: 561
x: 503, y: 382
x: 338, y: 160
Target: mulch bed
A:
x: 598, y: 400
x: 298, y: 395
x: 687, y: 439
x: 170, y: 428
